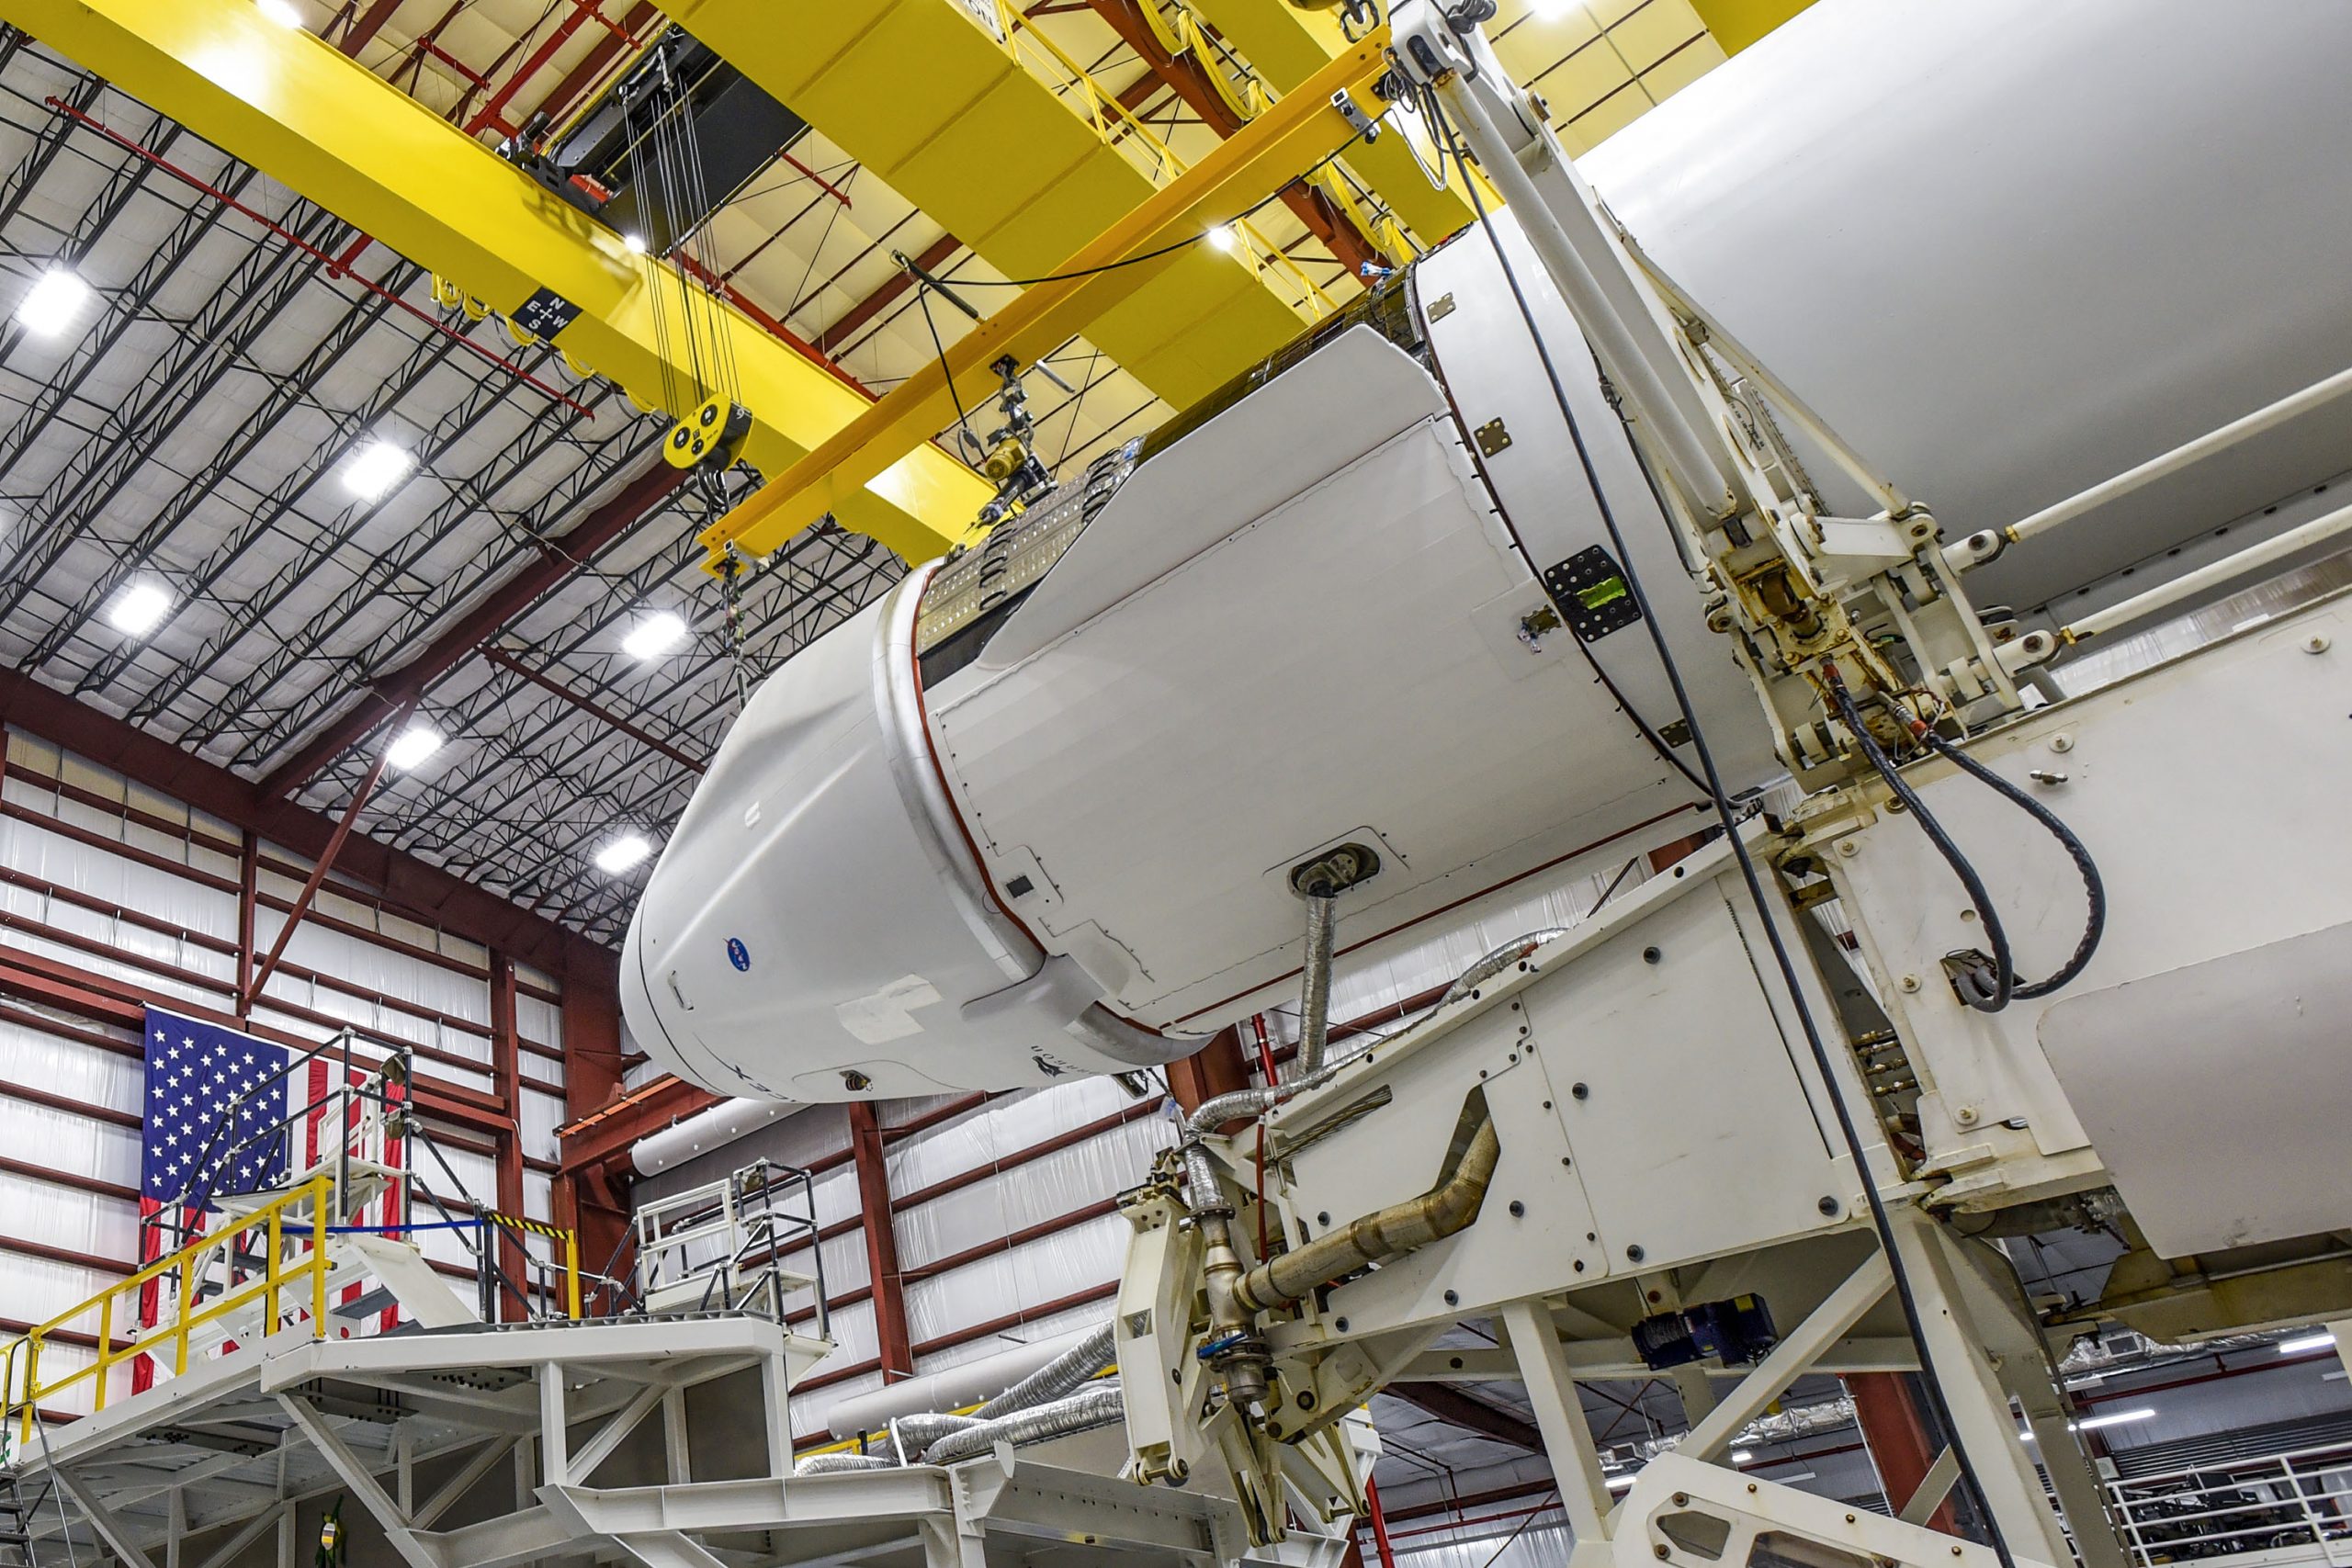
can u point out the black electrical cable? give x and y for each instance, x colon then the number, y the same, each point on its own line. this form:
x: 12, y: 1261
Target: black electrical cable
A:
x: 2008, y: 986
x: 2094, y: 889
x: 962, y: 419
x: 1899, y: 1274
x: 1970, y: 987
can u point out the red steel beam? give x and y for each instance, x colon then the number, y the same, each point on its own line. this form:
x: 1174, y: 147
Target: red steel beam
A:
x: 1450, y: 1405
x: 319, y: 870
x: 1217, y: 1067
x: 602, y: 715
x: 865, y: 309
x: 590, y: 70
x: 558, y: 559
x: 1894, y: 1433
x: 433, y: 894
x: 1190, y: 80
x: 506, y: 1072
x: 63, y: 987
x: 363, y: 30
x: 585, y: 1197
x: 891, y: 1335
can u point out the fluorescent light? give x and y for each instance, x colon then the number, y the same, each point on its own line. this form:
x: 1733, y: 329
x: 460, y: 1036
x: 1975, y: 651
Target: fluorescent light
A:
x: 634, y: 244
x: 1741, y: 1456
x: 379, y: 466
x: 622, y: 853
x: 137, y: 608
x: 655, y: 635
x: 1223, y: 237
x: 57, y: 297
x: 1620, y: 1484
x: 415, y: 744
x: 2093, y: 1422
x: 282, y: 12
x: 2323, y: 1341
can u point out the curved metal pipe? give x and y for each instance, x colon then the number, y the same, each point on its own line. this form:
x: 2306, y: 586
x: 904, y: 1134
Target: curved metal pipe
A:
x: 1443, y: 1209
x: 1080, y: 1413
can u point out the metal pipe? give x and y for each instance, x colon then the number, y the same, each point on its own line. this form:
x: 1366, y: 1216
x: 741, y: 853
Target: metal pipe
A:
x: 2186, y: 454
x: 1443, y: 1209
x: 1315, y: 989
x: 1080, y: 1413
x: 2165, y: 595
x: 706, y: 1130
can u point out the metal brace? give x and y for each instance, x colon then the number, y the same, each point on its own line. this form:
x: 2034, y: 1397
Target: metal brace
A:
x: 1362, y: 124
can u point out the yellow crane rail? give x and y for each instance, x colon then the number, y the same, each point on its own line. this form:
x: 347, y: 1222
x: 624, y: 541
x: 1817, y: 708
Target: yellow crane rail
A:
x: 294, y: 107
x: 1299, y: 132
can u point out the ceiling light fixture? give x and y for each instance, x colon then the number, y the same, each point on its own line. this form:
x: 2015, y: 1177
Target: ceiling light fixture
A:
x: 414, y: 746
x: 623, y: 853
x: 1223, y: 237
x: 655, y: 635
x: 283, y: 12
x: 2324, y: 1340
x: 1620, y: 1484
x: 377, y: 469
x: 1555, y: 10
x: 56, y: 298
x: 2093, y: 1422
x: 634, y: 244
x: 1741, y: 1456
x: 138, y: 608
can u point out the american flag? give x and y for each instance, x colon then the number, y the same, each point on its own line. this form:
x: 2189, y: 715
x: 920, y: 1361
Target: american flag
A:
x: 215, y: 1102
x: 225, y: 1116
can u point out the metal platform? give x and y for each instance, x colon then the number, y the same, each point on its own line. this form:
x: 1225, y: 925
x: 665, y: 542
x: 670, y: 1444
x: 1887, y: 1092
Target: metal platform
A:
x: 660, y: 1441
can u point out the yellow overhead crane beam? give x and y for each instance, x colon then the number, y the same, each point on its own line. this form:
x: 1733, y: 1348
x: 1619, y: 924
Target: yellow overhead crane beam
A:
x: 285, y: 102
x: 1285, y: 44
x: 947, y: 103
x: 1121, y: 264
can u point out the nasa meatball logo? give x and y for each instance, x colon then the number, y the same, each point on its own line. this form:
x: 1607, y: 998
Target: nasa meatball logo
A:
x: 738, y: 954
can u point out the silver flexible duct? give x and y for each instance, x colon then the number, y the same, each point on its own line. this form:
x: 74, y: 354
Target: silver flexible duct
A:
x: 1495, y: 962
x: 1315, y: 992
x: 839, y: 1464
x: 1080, y: 1411
x: 912, y: 1434
x: 1064, y: 1374
x: 1217, y: 1111
x: 1779, y: 1426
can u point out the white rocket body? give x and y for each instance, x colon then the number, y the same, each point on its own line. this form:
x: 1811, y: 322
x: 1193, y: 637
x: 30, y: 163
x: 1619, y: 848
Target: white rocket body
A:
x: 1037, y: 811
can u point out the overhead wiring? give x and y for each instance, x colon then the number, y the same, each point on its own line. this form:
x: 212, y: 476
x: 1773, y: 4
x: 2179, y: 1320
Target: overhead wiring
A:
x: 1816, y: 1042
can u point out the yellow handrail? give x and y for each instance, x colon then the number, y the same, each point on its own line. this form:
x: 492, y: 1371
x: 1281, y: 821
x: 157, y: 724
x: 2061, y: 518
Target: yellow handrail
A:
x: 569, y: 1239
x: 188, y: 1263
